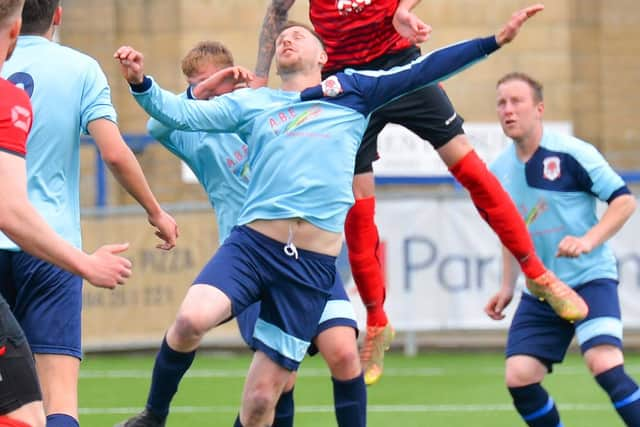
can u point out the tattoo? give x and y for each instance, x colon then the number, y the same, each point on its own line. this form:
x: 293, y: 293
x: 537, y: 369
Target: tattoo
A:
x: 275, y: 17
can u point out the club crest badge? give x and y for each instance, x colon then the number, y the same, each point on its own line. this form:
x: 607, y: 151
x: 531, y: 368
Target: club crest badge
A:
x: 551, y: 168
x: 331, y: 86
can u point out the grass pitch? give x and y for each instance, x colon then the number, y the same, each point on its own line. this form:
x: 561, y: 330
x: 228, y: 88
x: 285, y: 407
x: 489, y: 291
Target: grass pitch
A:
x: 430, y: 390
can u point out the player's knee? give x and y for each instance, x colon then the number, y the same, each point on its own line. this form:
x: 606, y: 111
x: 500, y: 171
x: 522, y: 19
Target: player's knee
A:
x: 344, y: 363
x: 519, y: 376
x: 189, y: 326
x: 258, y: 402
x: 602, y: 358
x: 522, y: 370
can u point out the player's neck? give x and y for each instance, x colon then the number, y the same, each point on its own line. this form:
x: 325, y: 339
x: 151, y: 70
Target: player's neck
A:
x: 298, y: 81
x: 528, y: 144
x: 4, y: 49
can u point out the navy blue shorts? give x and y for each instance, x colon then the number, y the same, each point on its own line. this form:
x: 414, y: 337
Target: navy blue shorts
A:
x: 338, y: 312
x: 536, y: 330
x: 46, y: 300
x: 251, y: 267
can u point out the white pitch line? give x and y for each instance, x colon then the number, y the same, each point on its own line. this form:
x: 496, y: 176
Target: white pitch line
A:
x: 323, y: 372
x: 370, y: 408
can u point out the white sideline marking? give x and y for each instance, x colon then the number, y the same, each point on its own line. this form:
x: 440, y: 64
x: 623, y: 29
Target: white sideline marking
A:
x: 370, y: 408
x: 323, y: 372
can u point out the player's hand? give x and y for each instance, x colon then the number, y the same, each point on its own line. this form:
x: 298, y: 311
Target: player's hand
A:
x: 223, y: 81
x: 105, y: 269
x: 131, y: 64
x: 573, y: 247
x: 497, y: 303
x: 408, y: 25
x: 509, y: 31
x: 166, y: 229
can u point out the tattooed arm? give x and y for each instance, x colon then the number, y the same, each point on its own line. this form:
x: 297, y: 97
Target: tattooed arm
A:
x: 276, y: 15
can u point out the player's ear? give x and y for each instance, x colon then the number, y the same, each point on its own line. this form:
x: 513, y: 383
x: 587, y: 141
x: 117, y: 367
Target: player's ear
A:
x: 323, y: 57
x: 14, y: 31
x: 57, y: 16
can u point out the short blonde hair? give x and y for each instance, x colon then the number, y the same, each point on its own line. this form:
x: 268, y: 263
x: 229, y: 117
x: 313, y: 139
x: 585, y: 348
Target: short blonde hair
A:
x: 536, y: 87
x: 204, y: 52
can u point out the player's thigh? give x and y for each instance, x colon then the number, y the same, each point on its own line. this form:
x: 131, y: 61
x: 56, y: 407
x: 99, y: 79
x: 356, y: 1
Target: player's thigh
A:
x: 234, y: 271
x: 364, y: 185
x: 31, y: 414
x: 19, y: 386
x: 600, y: 333
x: 538, y: 332
x: 266, y: 379
x: 203, y: 308
x: 339, y: 349
x: 48, y: 306
x: 58, y: 376
x: 427, y: 112
x: 247, y: 322
x: 603, y: 324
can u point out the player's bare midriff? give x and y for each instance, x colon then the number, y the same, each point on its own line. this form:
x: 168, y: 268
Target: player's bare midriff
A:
x: 303, y: 234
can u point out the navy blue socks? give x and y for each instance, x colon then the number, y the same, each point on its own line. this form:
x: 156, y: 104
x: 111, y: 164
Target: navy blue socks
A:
x: 169, y: 368
x: 535, y: 406
x: 623, y: 392
x: 350, y: 399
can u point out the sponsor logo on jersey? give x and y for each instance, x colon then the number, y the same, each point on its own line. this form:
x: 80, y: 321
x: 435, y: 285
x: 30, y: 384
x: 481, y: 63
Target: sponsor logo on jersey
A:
x: 551, y: 168
x: 346, y: 7
x: 535, y: 212
x: 287, y: 121
x: 21, y: 117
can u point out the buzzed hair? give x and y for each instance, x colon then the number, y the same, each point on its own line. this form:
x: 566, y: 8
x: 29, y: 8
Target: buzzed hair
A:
x: 309, y: 28
x: 9, y: 9
x: 37, y: 16
x: 204, y: 52
x: 536, y: 86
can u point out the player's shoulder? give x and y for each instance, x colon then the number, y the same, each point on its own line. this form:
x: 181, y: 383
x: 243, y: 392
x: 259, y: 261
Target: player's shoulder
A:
x: 13, y: 96
x: 79, y: 57
x: 568, y: 144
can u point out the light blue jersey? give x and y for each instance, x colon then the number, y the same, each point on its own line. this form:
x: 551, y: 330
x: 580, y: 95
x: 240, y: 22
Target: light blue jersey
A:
x: 68, y: 90
x: 556, y: 193
x: 302, y: 145
x: 219, y: 161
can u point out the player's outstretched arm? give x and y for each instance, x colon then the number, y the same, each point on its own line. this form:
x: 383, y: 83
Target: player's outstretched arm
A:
x: 511, y: 29
x: 276, y: 15
x: 223, y: 81
x: 22, y: 223
x: 127, y: 171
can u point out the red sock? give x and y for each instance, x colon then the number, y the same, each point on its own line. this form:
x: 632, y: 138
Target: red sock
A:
x: 497, y: 208
x: 12, y: 422
x: 363, y: 241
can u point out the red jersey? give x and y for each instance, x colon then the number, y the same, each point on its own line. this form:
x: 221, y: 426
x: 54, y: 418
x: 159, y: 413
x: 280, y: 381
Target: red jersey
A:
x: 355, y: 32
x: 15, y: 118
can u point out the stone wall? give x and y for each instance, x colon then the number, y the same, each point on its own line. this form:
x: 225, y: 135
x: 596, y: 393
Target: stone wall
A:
x: 586, y: 52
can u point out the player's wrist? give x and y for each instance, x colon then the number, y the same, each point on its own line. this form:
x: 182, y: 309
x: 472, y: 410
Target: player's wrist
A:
x: 139, y: 86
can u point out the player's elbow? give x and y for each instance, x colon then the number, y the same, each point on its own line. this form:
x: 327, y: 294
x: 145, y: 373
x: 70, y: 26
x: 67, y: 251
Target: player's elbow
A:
x: 116, y: 156
x: 626, y: 204
x: 631, y: 204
